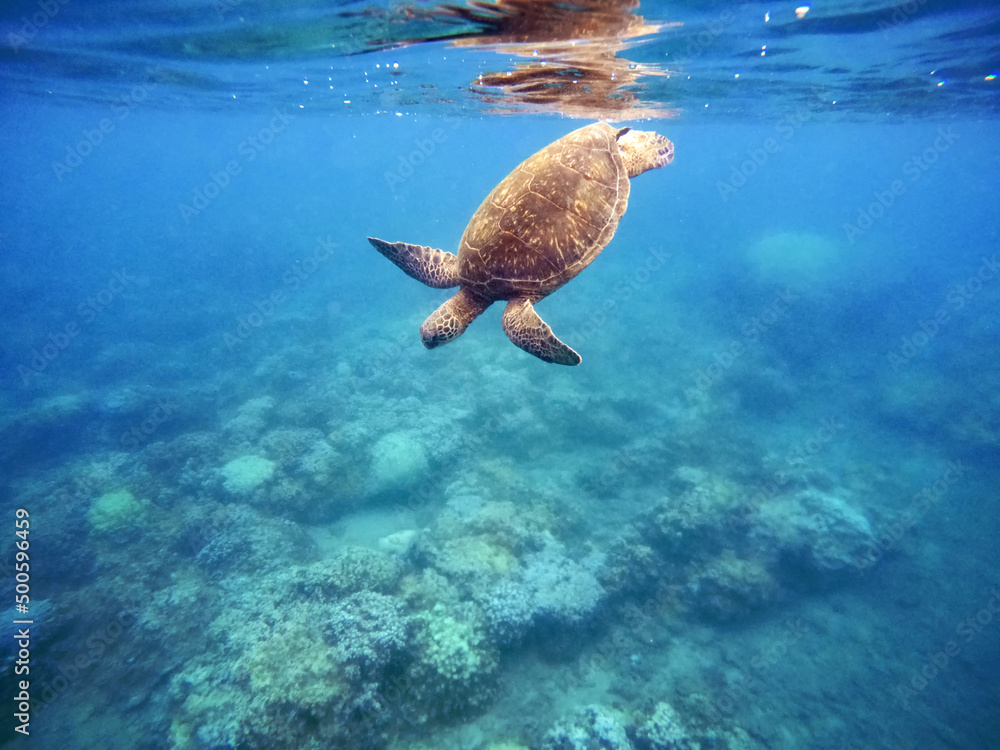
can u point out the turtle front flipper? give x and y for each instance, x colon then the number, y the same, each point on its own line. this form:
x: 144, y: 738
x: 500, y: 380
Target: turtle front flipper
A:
x: 529, y: 332
x: 451, y: 319
x: 434, y: 268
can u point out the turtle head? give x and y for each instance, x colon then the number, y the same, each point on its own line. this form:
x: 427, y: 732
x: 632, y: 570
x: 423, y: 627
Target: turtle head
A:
x: 643, y: 150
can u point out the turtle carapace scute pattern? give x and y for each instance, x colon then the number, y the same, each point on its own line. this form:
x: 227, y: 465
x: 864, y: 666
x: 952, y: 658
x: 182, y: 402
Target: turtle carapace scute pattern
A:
x: 543, y: 224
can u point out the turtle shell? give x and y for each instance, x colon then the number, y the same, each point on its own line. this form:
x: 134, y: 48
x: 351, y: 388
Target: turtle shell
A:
x: 548, y: 219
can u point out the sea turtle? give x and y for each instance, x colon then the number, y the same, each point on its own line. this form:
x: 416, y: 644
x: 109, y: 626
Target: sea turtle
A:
x: 542, y: 225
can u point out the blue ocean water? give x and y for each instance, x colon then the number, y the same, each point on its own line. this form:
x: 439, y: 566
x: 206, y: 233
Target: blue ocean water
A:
x: 246, y: 508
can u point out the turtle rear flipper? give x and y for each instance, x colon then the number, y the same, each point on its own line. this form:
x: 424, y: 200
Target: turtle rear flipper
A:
x: 451, y: 319
x: 434, y: 268
x: 529, y: 332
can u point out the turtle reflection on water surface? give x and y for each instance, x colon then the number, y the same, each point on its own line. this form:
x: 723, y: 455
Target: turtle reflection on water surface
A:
x: 542, y: 225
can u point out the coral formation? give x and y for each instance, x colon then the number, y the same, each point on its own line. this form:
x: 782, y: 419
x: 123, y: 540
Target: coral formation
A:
x: 341, y: 650
x: 399, y: 542
x: 734, y: 554
x: 699, y: 521
x: 455, y: 663
x: 729, y: 586
x: 663, y: 730
x: 398, y: 459
x: 118, y: 512
x: 369, y: 631
x: 349, y: 571
x: 295, y: 668
x: 822, y: 531
x: 509, y: 612
x: 667, y: 728
x: 243, y: 475
x: 563, y: 592
x: 249, y: 422
x: 589, y: 728
x: 237, y: 537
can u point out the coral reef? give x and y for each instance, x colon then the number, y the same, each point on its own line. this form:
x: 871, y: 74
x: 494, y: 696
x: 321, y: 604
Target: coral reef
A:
x: 237, y: 537
x: 592, y: 727
x: 399, y: 543
x: 733, y: 554
x: 821, y: 531
x: 185, y: 466
x: 631, y: 567
x: 477, y: 543
x: 369, y: 631
x: 307, y: 674
x: 667, y: 728
x: 243, y: 475
x: 299, y: 694
x: 597, y: 727
x: 294, y: 667
x: 517, y: 572
x: 343, y: 649
x: 398, y: 460
x: 296, y: 473
x: 705, y: 517
x: 509, y: 612
x: 289, y: 447
x: 455, y: 664
x: 729, y: 586
x: 119, y: 513
x: 249, y: 422
x: 349, y: 571
x: 663, y: 730
x: 563, y: 592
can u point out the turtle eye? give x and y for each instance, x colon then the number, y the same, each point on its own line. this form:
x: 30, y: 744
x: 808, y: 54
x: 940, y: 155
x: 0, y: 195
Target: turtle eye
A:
x: 622, y: 132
